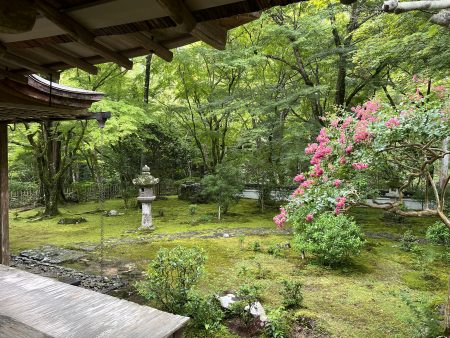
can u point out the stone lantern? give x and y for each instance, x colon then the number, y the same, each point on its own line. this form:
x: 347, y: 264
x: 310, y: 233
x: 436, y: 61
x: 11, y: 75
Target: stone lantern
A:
x: 145, y: 182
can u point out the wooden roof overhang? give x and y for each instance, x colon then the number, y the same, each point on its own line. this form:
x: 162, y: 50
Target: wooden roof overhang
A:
x: 38, y: 99
x: 53, y: 35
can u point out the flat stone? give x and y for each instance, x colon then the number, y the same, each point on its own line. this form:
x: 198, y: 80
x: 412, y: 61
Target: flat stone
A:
x: 226, y: 235
x: 53, y: 254
x: 72, y: 220
x: 227, y: 300
x: 257, y: 311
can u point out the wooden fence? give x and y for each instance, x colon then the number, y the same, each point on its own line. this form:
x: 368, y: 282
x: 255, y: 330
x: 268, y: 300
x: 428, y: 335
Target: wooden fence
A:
x: 30, y: 197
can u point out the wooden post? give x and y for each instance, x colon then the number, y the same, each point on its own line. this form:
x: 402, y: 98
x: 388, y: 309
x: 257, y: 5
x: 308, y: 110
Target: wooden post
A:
x: 4, y: 198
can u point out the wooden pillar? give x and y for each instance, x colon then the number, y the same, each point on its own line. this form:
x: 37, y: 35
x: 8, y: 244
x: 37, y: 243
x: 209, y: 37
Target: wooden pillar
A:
x: 4, y: 198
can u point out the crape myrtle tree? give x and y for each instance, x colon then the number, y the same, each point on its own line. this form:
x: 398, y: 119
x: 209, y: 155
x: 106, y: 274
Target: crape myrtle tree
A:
x: 408, y: 141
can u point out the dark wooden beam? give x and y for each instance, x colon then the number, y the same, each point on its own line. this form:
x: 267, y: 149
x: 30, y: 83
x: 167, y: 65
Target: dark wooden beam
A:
x: 4, y: 197
x: 208, y: 32
x: 11, y: 58
x: 13, y: 76
x: 146, y: 40
x: 71, y: 60
x: 80, y: 33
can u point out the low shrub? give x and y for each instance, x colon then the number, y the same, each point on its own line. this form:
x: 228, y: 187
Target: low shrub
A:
x: 171, y: 276
x: 204, y: 311
x: 256, y: 247
x: 275, y: 250
x: 248, y: 294
x: 332, y: 239
x: 292, y: 293
x: 438, y: 233
x: 278, y: 324
x: 408, y: 241
x: 193, y: 209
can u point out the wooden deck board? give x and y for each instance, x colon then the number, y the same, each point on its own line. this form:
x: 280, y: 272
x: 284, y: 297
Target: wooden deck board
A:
x: 62, y: 310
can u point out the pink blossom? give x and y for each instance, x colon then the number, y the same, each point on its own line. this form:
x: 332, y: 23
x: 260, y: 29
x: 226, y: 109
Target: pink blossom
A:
x: 415, y: 78
x: 340, y: 204
x: 392, y: 122
x: 309, y: 217
x: 298, y: 191
x: 349, y: 149
x: 334, y: 123
x: 325, y: 179
x: 307, y: 184
x: 322, y: 137
x: 440, y: 88
x: 318, y: 171
x: 346, y: 122
x: 321, y: 151
x: 311, y: 148
x: 342, y: 160
x: 342, y: 138
x: 366, y: 111
x: 337, y: 183
x: 281, y: 218
x: 359, y: 165
x: 341, y: 201
x: 361, y: 132
x: 299, y: 178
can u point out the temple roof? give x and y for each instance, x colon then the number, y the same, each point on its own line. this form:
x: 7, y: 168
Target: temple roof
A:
x: 38, y: 99
x: 82, y: 33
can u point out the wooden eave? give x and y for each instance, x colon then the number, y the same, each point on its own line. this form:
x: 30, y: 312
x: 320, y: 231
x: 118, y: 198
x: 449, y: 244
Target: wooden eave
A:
x: 83, y: 33
x: 39, y: 100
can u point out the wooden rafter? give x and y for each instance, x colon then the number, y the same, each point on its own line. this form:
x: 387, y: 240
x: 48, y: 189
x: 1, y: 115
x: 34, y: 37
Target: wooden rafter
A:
x: 208, y: 32
x: 13, y: 76
x: 146, y: 40
x: 11, y: 58
x: 80, y: 33
x: 71, y: 60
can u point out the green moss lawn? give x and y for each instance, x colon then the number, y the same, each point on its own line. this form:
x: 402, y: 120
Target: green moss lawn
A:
x: 367, y: 298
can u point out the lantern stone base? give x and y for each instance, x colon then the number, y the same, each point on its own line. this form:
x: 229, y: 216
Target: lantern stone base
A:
x: 147, y: 221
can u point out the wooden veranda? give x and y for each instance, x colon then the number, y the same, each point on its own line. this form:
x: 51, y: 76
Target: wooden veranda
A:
x: 54, y: 309
x: 45, y: 37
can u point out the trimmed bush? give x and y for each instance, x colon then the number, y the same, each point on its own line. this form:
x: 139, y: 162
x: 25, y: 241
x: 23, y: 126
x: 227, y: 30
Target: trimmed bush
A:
x: 332, y: 239
x: 438, y: 233
x: 171, y: 276
x: 292, y: 293
x: 408, y: 241
x: 205, y: 312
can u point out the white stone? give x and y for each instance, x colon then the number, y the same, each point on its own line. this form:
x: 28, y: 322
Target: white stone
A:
x: 257, y: 310
x: 227, y: 300
x: 226, y: 235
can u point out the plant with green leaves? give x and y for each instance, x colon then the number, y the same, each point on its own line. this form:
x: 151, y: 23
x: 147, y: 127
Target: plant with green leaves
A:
x: 292, y: 293
x: 171, y: 276
x: 204, y: 311
x: 438, y: 234
x: 248, y: 295
x: 332, y: 239
x: 278, y: 323
x: 224, y: 187
x: 408, y: 241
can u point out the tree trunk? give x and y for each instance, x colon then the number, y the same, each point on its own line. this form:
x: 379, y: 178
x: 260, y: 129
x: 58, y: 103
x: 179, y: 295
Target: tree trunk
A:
x: 444, y: 165
x: 148, y: 63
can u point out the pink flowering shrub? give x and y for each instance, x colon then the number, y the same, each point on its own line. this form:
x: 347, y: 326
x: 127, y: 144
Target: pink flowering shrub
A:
x: 357, y: 144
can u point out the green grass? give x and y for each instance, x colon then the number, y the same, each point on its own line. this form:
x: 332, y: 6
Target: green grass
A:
x: 176, y: 218
x: 363, y: 299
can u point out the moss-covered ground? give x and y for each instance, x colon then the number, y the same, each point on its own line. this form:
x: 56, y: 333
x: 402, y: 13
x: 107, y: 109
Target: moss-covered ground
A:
x: 367, y: 298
